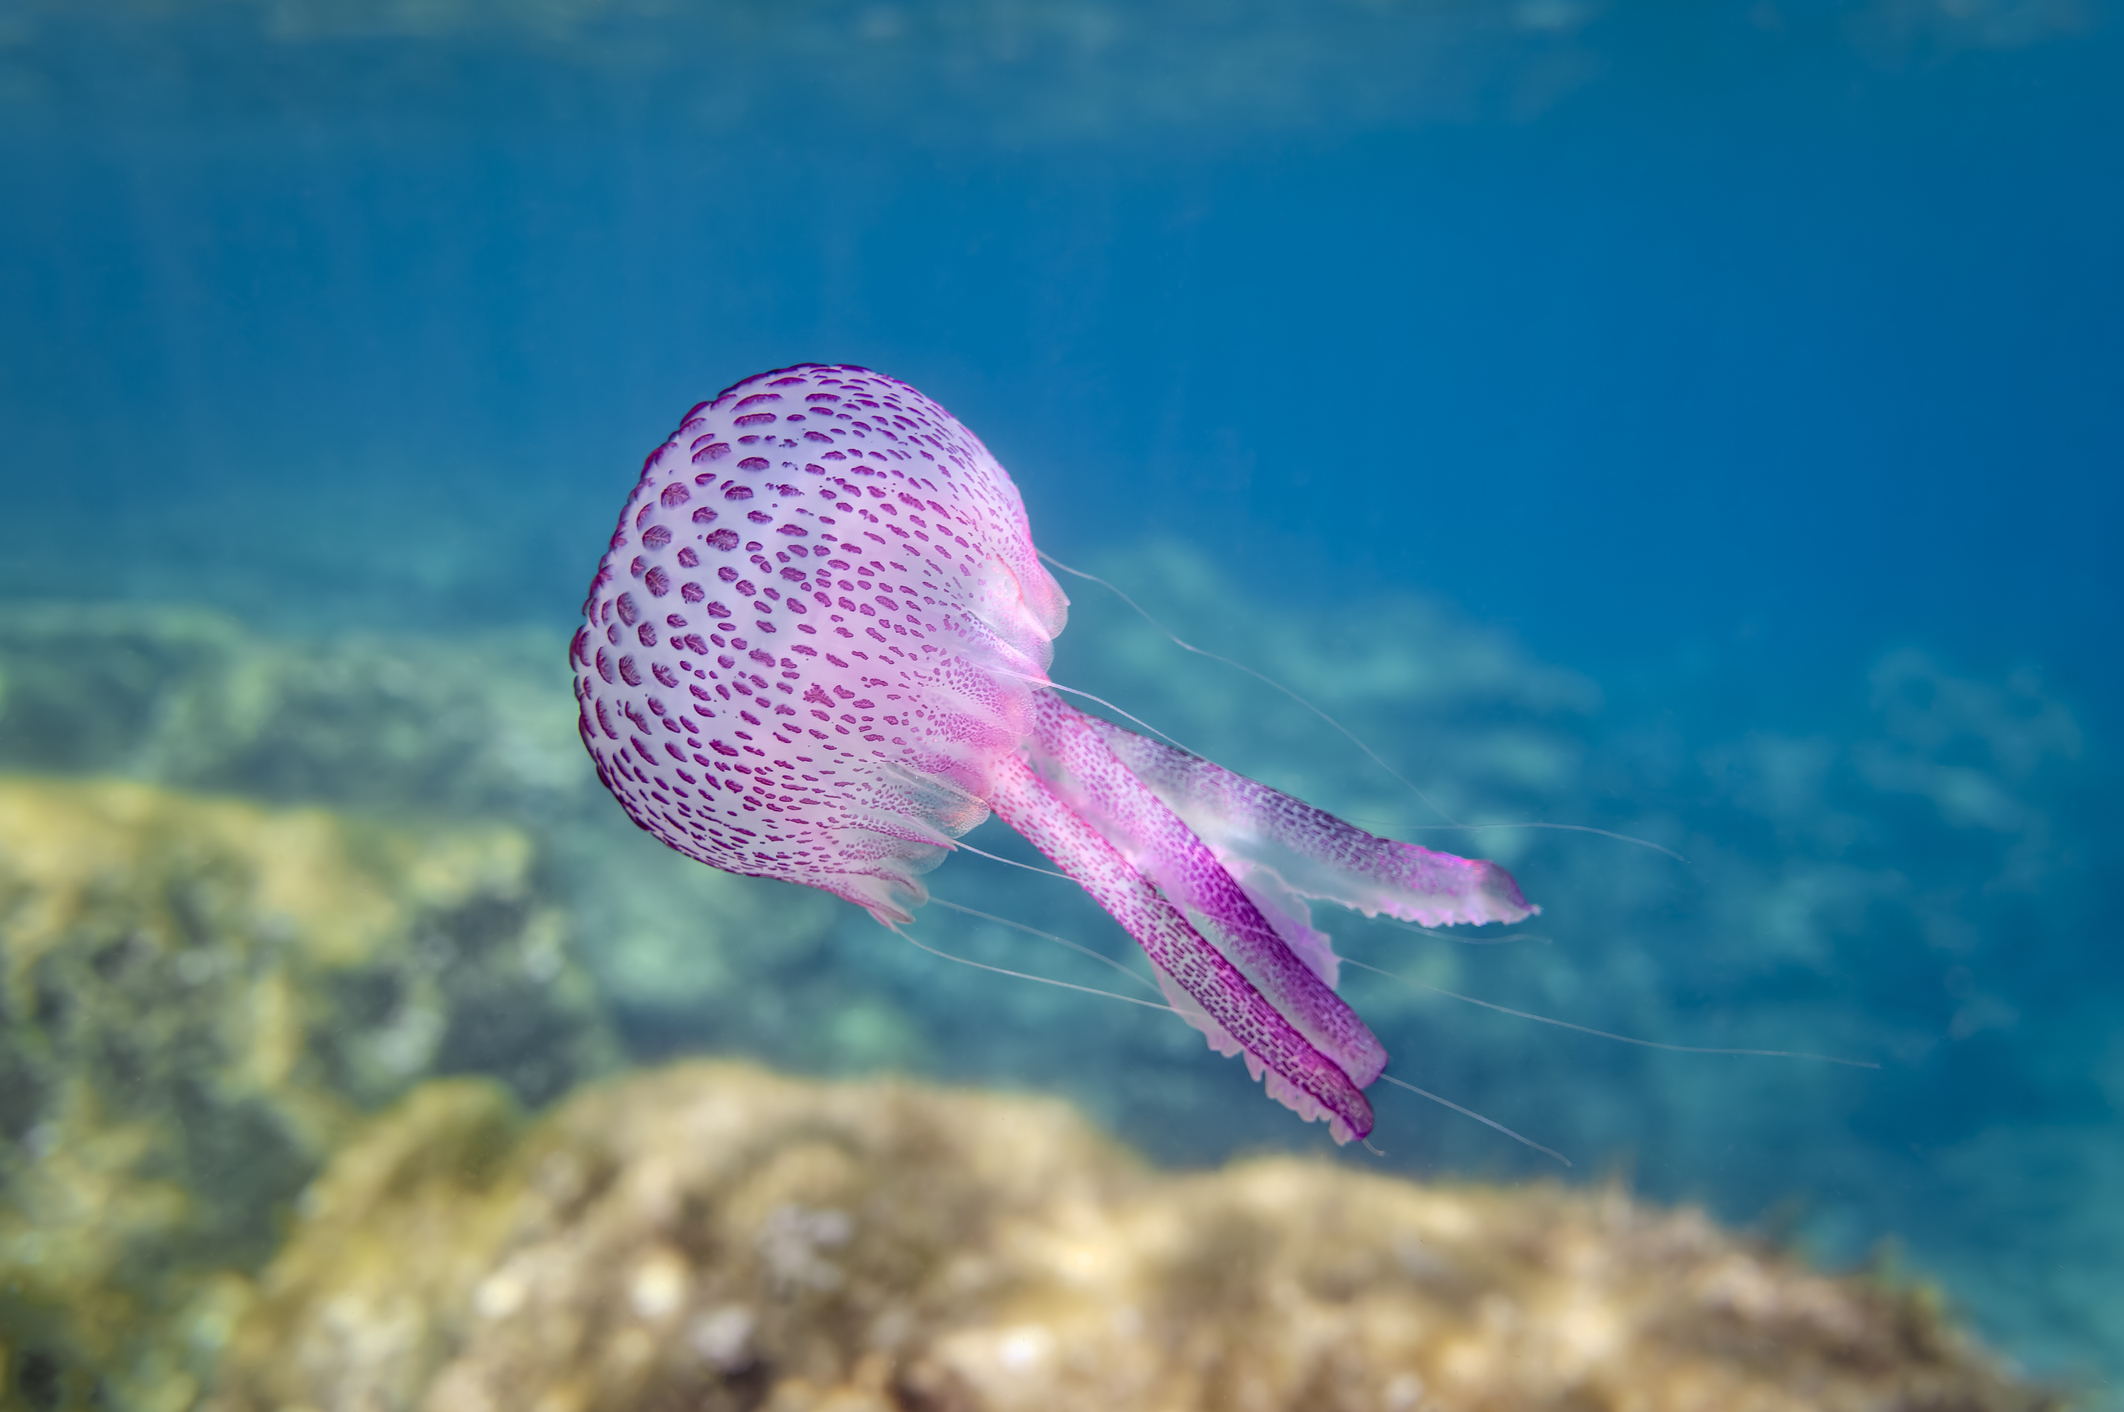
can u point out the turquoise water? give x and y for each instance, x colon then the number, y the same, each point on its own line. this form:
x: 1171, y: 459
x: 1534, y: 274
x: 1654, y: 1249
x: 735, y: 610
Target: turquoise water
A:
x: 1737, y: 471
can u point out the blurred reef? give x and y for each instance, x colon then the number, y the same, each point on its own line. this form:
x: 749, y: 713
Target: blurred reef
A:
x: 201, y: 997
x: 711, y: 1236
x: 410, y: 731
x: 256, y: 890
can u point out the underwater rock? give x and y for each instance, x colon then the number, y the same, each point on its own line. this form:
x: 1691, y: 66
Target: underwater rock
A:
x: 1913, y: 882
x: 190, y: 698
x: 478, y: 727
x: 689, y: 955
x: 712, y: 1236
x: 198, y: 997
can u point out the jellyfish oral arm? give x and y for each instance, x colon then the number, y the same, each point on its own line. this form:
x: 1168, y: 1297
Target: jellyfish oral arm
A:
x: 1077, y: 765
x: 1311, y: 852
x: 1206, y: 987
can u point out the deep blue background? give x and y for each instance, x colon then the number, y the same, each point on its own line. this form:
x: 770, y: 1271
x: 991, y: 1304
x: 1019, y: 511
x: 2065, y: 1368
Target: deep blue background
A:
x: 1743, y: 360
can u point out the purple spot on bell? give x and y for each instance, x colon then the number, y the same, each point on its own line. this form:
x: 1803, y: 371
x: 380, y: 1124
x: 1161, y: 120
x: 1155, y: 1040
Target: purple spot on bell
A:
x: 629, y: 673
x: 675, y: 495
x: 723, y: 539
x: 692, y: 592
x: 741, y: 492
x: 655, y: 537
x: 604, y: 665
x: 647, y: 633
x: 627, y: 610
x: 750, y: 463
x: 657, y: 582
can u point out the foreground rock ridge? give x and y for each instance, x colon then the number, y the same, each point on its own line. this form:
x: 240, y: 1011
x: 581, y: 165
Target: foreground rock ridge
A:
x: 713, y: 1236
x: 198, y: 999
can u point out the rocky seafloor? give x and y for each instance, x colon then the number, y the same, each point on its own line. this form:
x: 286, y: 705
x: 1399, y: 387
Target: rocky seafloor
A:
x: 256, y: 891
x: 712, y: 1236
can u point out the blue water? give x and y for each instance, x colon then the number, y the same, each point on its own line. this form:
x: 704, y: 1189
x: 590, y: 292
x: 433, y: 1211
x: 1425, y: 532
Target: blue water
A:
x: 1715, y: 353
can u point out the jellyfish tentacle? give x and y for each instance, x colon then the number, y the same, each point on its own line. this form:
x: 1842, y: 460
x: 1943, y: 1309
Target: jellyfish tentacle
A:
x: 1080, y: 768
x: 1310, y: 851
x: 1194, y: 973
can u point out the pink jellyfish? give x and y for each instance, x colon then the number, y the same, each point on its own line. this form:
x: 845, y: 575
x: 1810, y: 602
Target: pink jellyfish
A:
x: 817, y: 649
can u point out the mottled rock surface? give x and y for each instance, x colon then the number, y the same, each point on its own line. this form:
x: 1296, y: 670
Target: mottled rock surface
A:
x: 198, y: 998
x: 470, y: 729
x: 191, y: 698
x: 711, y: 1236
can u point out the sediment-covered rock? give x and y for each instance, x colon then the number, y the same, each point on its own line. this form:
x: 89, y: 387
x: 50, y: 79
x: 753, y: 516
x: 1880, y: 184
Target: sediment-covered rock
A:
x: 1911, y: 883
x: 198, y: 998
x: 478, y: 727
x: 191, y: 698
x: 712, y: 1236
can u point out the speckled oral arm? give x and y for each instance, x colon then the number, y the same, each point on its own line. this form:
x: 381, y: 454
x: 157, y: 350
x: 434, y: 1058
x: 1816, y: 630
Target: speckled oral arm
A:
x: 1315, y: 854
x: 1205, y: 987
x: 1077, y: 764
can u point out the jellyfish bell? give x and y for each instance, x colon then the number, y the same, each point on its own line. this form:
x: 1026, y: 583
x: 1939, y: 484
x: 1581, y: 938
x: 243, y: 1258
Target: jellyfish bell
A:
x: 815, y: 634
x: 816, y: 650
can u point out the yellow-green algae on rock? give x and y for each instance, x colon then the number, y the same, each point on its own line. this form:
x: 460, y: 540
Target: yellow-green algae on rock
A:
x: 198, y: 999
x: 711, y: 1236
x: 475, y: 727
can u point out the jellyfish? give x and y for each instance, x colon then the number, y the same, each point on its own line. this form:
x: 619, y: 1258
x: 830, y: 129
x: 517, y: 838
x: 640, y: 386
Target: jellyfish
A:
x: 816, y: 650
